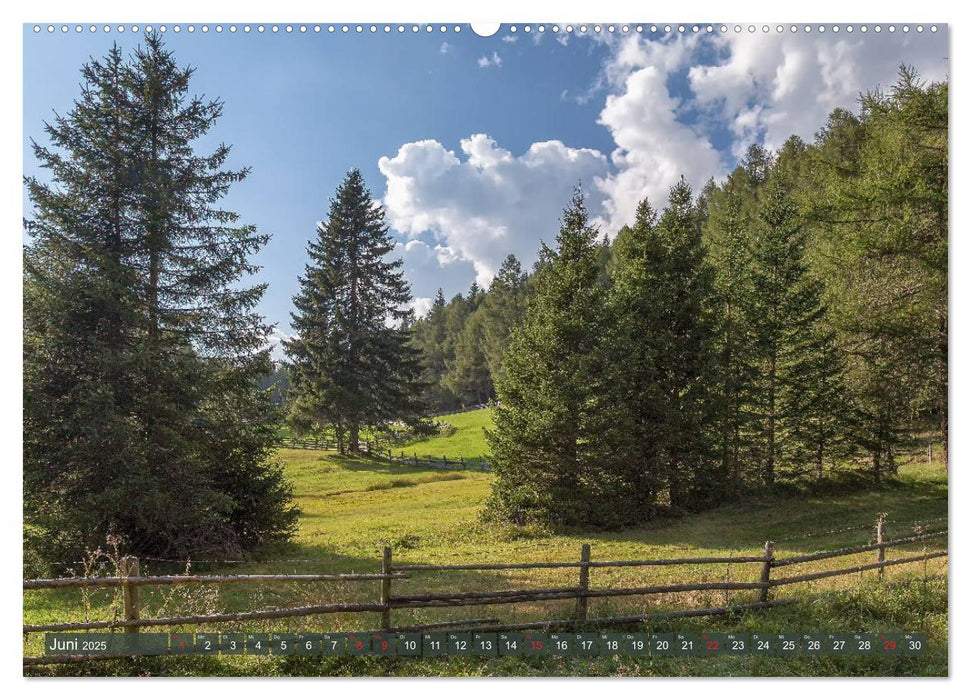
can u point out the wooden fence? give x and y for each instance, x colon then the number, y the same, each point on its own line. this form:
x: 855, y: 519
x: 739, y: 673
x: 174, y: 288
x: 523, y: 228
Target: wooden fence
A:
x: 309, y: 443
x: 130, y: 580
x: 374, y: 450
x: 466, y: 409
x: 431, y: 462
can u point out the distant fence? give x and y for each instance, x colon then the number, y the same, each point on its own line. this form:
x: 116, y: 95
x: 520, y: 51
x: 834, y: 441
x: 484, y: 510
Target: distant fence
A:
x: 465, y: 409
x: 444, y: 462
x: 130, y: 581
x: 307, y: 443
x: 372, y: 449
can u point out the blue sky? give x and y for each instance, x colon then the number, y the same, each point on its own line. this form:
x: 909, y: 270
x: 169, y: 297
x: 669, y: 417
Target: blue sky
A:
x: 474, y: 144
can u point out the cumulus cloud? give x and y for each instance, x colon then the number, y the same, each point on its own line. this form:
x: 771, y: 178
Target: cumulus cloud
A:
x: 666, y: 104
x: 510, y: 39
x: 494, y: 60
x: 421, y: 306
x: 445, y: 48
x: 654, y: 147
x: 768, y: 87
x: 485, y: 203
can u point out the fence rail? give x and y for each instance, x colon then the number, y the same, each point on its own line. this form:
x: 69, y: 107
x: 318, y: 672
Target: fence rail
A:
x: 107, y: 581
x: 130, y: 581
x: 374, y: 450
x: 465, y: 409
x: 460, y: 463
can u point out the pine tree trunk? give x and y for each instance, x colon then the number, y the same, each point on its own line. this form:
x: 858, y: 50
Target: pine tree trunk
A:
x: 770, y: 457
x: 676, y: 489
x: 891, y: 463
x: 819, y: 460
x: 875, y: 464
x: 339, y: 433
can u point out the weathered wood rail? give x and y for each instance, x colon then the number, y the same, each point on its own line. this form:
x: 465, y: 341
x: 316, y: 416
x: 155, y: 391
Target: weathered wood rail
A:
x: 373, y: 450
x: 130, y: 581
x: 459, y: 464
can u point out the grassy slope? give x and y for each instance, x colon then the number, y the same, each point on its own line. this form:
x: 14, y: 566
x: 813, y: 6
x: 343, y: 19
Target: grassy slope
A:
x: 352, y: 508
x: 467, y: 440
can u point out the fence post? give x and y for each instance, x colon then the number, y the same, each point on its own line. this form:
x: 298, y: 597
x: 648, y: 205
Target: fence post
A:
x: 930, y: 453
x: 128, y: 568
x: 766, y: 578
x: 386, y: 589
x: 881, y: 551
x: 581, y: 607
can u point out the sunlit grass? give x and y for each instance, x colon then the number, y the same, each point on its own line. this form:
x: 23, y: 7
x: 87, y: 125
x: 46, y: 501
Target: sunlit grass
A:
x: 467, y: 440
x: 352, y: 508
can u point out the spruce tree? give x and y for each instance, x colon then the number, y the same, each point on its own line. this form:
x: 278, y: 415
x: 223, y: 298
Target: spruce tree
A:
x: 638, y: 292
x: 552, y: 442
x: 798, y: 373
x: 662, y: 294
x: 504, y: 307
x: 728, y: 232
x: 429, y: 337
x: 468, y: 374
x: 353, y: 363
x: 141, y: 346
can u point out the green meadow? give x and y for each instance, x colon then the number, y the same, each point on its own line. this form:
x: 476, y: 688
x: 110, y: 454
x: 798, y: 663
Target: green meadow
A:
x: 352, y: 508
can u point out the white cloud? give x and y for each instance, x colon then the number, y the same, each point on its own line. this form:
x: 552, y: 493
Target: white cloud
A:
x: 275, y: 341
x: 665, y: 102
x: 494, y: 60
x: 768, y: 87
x: 510, y: 39
x: 421, y: 306
x: 445, y: 48
x: 487, y: 205
x: 654, y: 148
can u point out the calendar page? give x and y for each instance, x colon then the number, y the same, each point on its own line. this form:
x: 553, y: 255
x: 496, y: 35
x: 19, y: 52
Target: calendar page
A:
x: 439, y: 348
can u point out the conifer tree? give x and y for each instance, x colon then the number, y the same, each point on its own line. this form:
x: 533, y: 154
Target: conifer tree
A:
x: 141, y: 346
x: 637, y: 294
x: 662, y: 295
x: 883, y: 252
x: 430, y: 334
x: 504, y: 307
x: 798, y: 373
x: 353, y: 363
x: 728, y: 232
x: 468, y: 374
x: 551, y: 445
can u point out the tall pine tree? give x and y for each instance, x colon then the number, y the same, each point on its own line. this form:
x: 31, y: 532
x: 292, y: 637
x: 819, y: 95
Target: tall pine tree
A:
x: 728, y: 231
x: 797, y: 368
x: 141, y: 345
x: 662, y: 294
x: 883, y: 251
x: 551, y: 445
x: 352, y: 362
x: 503, y: 308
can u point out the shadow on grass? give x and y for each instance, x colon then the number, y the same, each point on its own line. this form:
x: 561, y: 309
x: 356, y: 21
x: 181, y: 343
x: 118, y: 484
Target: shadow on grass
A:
x: 803, y: 516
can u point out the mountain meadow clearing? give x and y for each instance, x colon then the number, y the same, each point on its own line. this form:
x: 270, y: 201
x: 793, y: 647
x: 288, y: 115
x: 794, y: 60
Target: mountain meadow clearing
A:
x: 352, y: 508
